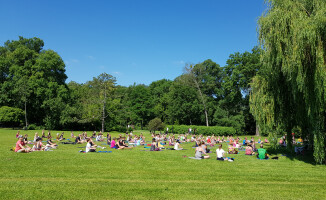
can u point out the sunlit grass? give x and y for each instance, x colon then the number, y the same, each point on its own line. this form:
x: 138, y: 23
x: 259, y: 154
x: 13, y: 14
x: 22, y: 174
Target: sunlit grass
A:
x: 134, y: 174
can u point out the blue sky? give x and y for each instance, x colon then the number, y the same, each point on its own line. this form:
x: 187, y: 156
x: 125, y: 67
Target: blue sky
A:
x: 137, y: 41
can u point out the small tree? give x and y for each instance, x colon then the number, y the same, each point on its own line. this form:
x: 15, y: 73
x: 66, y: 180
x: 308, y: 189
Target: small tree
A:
x: 156, y: 124
x: 10, y: 116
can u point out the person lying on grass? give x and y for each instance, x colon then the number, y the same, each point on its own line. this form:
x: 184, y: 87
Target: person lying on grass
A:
x: 90, y: 147
x: 199, y: 153
x: 262, y: 154
x: 21, y: 146
x: 177, y: 145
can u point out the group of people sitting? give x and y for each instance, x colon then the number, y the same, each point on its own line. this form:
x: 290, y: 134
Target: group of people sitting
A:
x: 37, y: 142
x: 158, y: 140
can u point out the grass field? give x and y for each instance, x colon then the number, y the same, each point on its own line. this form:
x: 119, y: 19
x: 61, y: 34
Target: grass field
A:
x: 133, y: 174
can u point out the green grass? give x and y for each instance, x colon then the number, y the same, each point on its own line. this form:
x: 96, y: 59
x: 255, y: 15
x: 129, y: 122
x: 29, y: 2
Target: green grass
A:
x: 133, y: 174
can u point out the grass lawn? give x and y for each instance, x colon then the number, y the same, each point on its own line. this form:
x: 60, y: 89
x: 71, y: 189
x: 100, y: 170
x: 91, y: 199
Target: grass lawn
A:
x: 134, y: 174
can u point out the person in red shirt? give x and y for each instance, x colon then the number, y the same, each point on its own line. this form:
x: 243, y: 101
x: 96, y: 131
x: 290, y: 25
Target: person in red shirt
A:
x: 209, y: 140
x: 21, y: 147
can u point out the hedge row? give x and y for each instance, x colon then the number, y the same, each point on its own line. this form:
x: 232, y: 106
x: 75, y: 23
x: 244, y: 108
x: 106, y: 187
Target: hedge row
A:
x: 202, y: 130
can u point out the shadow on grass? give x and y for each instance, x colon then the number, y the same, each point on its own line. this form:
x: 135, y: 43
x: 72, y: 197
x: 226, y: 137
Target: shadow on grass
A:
x: 306, y: 157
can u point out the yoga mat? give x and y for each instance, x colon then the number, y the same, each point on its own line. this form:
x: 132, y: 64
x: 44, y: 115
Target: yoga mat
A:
x: 195, y: 158
x: 104, y: 151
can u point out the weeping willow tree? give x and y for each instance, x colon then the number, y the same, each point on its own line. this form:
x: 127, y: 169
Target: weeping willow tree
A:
x: 292, y: 34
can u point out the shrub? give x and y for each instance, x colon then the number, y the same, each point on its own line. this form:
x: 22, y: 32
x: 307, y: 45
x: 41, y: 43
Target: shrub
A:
x: 155, y: 124
x: 10, y: 116
x: 204, y: 130
x: 32, y: 127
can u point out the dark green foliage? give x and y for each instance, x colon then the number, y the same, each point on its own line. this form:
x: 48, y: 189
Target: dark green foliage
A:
x: 33, y: 79
x: 289, y: 91
x: 202, y: 130
x: 156, y: 124
x: 10, y: 116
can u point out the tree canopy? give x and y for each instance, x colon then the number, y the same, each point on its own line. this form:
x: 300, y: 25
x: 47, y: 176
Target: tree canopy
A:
x: 290, y: 88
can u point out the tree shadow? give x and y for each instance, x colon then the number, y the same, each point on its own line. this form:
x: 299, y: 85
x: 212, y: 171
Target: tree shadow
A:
x: 306, y: 156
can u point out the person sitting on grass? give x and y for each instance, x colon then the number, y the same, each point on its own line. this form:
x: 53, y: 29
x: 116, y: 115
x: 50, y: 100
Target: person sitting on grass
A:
x: 79, y: 139
x: 249, y: 151
x: 108, y: 139
x: 120, y: 144
x: 113, y: 145
x: 36, y: 137
x: 177, y: 145
x: 199, y: 153
x: 43, y: 134
x: 99, y: 137
x: 90, y: 147
x: 61, y: 137
x: 21, y: 146
x: 154, y: 146
x: 17, y: 134
x: 220, y: 153
x: 72, y: 135
x: 262, y: 154
x: 232, y: 150
x: 38, y: 145
x: 50, y: 143
x: 253, y: 146
x: 171, y: 141
x: 25, y: 139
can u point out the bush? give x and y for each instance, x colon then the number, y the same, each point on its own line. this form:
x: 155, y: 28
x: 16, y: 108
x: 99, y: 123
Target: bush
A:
x: 32, y: 127
x: 155, y: 124
x: 10, y: 116
x: 202, y: 130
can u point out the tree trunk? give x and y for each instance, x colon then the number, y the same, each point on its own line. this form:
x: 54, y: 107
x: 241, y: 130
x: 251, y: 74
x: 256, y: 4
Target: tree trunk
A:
x: 103, y: 117
x: 202, y: 99
x: 103, y: 110
x: 257, y: 130
x: 26, y: 123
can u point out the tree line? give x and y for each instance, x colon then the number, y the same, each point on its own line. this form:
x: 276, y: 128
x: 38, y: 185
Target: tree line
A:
x: 277, y: 88
x: 34, y: 92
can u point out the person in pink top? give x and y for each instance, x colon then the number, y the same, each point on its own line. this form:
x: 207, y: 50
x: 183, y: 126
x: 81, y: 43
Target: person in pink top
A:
x: 21, y: 147
x: 113, y: 143
x: 17, y: 134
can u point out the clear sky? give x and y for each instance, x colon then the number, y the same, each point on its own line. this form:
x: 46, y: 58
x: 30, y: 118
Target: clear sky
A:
x: 137, y: 41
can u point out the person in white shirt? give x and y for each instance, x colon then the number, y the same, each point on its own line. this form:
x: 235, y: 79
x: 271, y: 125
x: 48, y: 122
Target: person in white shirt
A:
x: 177, y: 146
x: 90, y: 147
x: 220, y: 153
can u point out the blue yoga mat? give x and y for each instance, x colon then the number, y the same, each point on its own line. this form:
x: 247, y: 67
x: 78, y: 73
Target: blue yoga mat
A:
x: 104, y: 152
